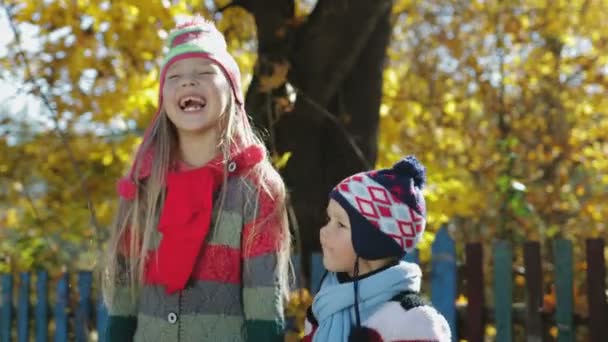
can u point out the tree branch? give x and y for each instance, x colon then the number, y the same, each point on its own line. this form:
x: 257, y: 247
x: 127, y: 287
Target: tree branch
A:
x: 334, y: 119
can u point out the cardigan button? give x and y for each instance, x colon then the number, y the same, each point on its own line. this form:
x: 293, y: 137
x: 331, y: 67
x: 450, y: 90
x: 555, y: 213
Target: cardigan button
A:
x: 232, y: 166
x: 172, y: 317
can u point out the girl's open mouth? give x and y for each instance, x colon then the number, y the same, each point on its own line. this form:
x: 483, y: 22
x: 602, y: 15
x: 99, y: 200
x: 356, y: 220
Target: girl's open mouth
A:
x: 192, y: 103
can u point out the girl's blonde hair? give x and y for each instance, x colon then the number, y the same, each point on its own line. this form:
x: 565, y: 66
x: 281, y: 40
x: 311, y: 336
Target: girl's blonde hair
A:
x: 132, y: 231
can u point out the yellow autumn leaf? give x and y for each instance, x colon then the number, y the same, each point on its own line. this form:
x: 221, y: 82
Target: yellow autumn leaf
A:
x: 12, y: 218
x: 107, y: 159
x: 280, y: 161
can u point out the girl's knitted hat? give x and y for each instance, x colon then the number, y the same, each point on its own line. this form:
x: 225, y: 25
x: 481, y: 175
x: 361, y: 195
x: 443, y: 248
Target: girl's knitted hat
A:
x: 197, y: 38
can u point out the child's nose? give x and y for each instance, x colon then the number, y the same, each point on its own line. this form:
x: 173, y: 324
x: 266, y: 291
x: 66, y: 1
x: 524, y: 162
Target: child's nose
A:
x: 189, y: 81
x: 322, y: 233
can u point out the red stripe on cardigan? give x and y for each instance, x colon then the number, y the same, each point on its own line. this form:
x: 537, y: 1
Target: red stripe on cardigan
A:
x: 264, y: 234
x: 215, y: 263
x: 218, y: 263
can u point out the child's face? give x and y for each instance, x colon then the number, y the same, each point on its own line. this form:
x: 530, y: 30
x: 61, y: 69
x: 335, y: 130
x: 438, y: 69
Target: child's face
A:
x: 195, y: 94
x: 338, y: 252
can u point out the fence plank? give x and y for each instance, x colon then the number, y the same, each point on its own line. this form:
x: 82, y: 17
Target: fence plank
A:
x: 102, y: 319
x: 562, y: 250
x: 596, y: 290
x: 413, y: 257
x: 23, y: 311
x: 61, y: 309
x: 503, y: 290
x: 443, y: 278
x: 534, y: 290
x: 475, y: 308
x: 83, y: 315
x: 316, y: 272
x: 42, y: 310
x: 6, y: 315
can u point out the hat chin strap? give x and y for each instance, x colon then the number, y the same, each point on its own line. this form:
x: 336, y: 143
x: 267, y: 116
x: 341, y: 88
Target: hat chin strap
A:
x: 356, y: 289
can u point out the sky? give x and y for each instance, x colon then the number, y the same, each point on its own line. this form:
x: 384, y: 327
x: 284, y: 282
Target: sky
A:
x: 13, y: 101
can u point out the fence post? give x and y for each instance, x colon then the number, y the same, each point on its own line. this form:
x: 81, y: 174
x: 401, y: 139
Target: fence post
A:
x: 61, y: 307
x: 443, y: 278
x: 83, y: 315
x: 102, y: 318
x: 6, y: 316
x: 475, y: 319
x: 503, y: 290
x: 42, y: 311
x: 563, y: 287
x: 414, y: 256
x: 596, y: 290
x: 534, y: 291
x: 23, y: 311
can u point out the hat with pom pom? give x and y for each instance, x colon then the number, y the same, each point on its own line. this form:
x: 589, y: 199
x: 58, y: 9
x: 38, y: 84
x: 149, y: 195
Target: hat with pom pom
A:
x: 386, y: 209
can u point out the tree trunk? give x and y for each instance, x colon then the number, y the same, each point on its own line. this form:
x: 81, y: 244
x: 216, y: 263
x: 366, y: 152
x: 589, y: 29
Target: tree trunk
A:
x: 335, y: 63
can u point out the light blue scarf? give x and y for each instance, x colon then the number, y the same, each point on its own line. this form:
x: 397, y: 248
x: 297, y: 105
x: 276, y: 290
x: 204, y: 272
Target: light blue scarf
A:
x: 334, y: 308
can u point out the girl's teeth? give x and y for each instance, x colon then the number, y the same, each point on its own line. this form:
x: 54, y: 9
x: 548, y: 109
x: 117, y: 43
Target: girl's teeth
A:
x: 192, y: 108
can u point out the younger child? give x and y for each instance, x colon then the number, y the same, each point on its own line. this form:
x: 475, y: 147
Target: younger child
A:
x: 369, y: 294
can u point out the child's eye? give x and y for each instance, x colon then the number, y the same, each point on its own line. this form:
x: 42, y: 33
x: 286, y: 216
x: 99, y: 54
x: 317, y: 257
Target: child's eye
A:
x: 172, y: 77
x: 206, y: 72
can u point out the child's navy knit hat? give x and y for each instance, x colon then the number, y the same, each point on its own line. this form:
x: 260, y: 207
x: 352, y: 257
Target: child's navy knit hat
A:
x: 386, y: 209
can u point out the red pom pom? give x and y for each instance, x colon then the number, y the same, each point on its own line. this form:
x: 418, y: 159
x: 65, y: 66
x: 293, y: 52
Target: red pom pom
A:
x: 126, y: 189
x: 196, y: 21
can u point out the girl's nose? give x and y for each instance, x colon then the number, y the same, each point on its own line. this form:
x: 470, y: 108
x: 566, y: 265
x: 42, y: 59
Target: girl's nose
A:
x: 189, y: 81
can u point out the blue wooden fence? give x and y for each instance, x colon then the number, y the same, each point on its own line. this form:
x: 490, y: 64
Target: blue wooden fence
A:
x: 75, y: 320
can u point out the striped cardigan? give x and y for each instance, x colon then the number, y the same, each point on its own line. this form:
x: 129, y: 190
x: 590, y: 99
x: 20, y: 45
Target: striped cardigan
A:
x: 232, y: 294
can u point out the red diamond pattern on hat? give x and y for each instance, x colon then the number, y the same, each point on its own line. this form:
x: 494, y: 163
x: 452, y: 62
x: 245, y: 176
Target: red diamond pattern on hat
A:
x: 415, y: 216
x: 344, y: 187
x: 367, y: 208
x: 396, y: 190
x: 379, y: 195
x: 385, y: 211
x: 407, y: 228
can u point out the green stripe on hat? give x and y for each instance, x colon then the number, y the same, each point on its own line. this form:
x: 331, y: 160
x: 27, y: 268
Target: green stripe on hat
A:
x: 199, y: 46
x: 183, y: 49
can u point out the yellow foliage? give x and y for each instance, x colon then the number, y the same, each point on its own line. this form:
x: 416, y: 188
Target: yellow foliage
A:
x: 295, y: 312
x: 549, y: 91
x: 445, y: 94
x: 280, y: 161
